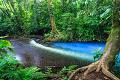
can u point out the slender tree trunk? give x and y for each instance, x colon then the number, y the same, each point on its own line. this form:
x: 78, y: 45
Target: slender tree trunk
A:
x: 51, y: 16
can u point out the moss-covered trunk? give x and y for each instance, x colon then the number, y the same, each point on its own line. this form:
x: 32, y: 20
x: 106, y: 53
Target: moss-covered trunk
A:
x: 53, y: 25
x: 112, y: 47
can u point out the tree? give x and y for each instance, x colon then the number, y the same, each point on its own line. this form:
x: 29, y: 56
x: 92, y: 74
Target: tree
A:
x: 52, y: 17
x: 112, y: 48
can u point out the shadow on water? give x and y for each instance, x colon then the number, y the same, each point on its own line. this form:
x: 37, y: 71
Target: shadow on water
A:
x: 31, y: 53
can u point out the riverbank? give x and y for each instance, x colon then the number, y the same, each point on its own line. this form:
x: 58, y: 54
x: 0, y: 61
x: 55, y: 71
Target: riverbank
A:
x: 78, y: 75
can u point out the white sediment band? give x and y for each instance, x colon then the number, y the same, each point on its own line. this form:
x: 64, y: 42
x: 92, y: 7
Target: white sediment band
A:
x: 63, y: 52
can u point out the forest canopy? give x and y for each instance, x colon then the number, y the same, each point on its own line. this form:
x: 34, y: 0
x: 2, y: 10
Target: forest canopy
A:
x: 79, y: 19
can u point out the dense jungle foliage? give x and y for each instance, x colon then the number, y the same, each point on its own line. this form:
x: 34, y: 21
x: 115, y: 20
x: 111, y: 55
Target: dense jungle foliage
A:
x: 77, y: 20
x: 73, y: 20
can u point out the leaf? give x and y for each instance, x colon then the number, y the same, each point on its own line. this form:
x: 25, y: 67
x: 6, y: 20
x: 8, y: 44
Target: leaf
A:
x: 64, y: 78
x: 95, y: 51
x: 104, y: 14
x: 38, y: 76
x: 3, y: 62
x: 49, y: 71
x: 11, y: 50
x: 72, y: 67
x: 66, y: 14
x: 63, y: 70
x: 4, y: 43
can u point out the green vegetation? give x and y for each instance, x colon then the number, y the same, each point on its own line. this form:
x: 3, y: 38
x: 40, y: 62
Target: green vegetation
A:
x: 77, y: 20
x: 59, y: 20
x: 97, y: 53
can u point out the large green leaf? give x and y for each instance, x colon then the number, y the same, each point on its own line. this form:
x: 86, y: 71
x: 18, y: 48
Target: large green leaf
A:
x: 4, y: 43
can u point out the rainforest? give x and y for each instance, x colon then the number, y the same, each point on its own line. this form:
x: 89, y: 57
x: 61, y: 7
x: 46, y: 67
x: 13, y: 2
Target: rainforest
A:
x: 59, y: 39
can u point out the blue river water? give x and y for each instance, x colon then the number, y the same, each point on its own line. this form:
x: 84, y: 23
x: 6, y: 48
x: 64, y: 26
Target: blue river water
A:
x: 83, y: 47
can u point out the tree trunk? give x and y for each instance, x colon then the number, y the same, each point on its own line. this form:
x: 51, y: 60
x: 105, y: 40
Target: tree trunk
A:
x: 112, y: 48
x: 51, y: 16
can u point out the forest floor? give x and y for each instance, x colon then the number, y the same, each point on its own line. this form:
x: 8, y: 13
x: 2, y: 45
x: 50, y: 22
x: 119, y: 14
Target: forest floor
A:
x: 91, y: 76
x: 78, y: 76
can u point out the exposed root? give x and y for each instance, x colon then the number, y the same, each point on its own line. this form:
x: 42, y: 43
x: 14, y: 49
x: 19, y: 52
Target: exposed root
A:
x: 99, y: 65
x: 109, y: 74
x: 79, y: 69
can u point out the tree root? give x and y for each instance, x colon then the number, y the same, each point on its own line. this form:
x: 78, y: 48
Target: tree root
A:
x: 99, y: 65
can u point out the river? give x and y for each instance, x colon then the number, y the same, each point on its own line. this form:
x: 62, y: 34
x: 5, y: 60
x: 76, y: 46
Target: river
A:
x: 58, y: 54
